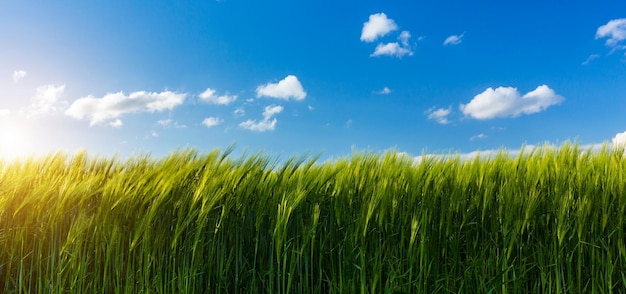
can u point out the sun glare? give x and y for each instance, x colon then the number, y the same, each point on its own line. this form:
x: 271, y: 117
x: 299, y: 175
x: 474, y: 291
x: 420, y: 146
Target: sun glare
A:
x: 13, y: 142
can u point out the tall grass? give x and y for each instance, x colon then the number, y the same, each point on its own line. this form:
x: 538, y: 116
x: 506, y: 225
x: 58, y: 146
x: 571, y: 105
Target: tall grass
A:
x: 549, y: 220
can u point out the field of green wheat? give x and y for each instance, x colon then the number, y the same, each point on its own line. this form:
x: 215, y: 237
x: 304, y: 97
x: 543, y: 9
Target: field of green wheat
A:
x: 547, y: 220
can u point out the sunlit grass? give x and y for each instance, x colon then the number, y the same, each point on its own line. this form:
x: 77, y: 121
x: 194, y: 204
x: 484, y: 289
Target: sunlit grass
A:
x: 547, y: 220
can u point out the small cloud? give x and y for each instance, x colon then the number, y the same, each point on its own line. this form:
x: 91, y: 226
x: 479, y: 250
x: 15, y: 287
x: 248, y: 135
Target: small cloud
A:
x: 384, y: 91
x: 439, y: 115
x: 18, y: 75
x: 310, y: 108
x: 619, y: 140
x: 508, y: 102
x: 117, y: 123
x: 169, y: 123
x: 239, y: 111
x: 209, y: 96
x: 454, y: 40
x: 212, y: 121
x: 404, y: 38
x: 391, y: 49
x: 287, y: 88
x: 267, y: 124
x: 153, y: 134
x: 250, y: 100
x: 478, y: 137
x: 378, y: 25
x: 114, y: 105
x: 590, y: 59
x: 614, y: 30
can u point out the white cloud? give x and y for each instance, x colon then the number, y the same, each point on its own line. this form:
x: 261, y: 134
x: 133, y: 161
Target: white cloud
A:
x: 508, y: 102
x: 117, y: 123
x: 454, y: 40
x: 391, y: 49
x: 18, y: 75
x: 154, y: 134
x: 311, y: 108
x: 209, y: 96
x: 615, y: 30
x: 169, y: 123
x: 439, y: 115
x: 267, y: 124
x: 404, y: 38
x: 590, y: 59
x: 287, y: 88
x: 47, y: 100
x: 619, y: 140
x: 478, y: 137
x: 378, y: 25
x: 239, y: 111
x: 212, y: 121
x: 384, y: 91
x: 114, y: 105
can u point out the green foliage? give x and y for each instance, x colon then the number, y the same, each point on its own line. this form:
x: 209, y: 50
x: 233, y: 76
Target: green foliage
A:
x: 549, y: 220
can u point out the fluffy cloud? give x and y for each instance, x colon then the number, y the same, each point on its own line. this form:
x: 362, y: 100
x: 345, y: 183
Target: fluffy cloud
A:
x: 287, y: 88
x: 209, y: 96
x: 212, y: 121
x: 439, y: 115
x: 508, y: 102
x: 267, y: 124
x: 614, y: 30
x: 47, y: 100
x: 620, y: 140
x: 113, y: 105
x: 18, y: 75
x: 454, y: 40
x: 378, y: 25
x: 391, y: 49
x: 404, y: 38
x: 478, y: 137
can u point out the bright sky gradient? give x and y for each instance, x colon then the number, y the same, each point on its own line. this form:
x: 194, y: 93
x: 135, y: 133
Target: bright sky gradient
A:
x: 294, y: 77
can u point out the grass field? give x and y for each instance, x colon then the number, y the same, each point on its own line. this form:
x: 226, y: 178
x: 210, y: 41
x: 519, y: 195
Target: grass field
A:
x: 548, y: 220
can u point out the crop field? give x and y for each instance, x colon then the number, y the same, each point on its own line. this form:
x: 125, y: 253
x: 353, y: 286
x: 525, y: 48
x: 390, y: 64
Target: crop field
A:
x: 547, y: 220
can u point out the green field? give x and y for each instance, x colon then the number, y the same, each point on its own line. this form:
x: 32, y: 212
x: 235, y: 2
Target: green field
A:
x: 548, y: 220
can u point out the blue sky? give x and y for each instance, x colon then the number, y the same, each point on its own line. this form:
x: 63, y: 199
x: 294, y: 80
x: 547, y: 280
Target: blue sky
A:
x: 293, y: 77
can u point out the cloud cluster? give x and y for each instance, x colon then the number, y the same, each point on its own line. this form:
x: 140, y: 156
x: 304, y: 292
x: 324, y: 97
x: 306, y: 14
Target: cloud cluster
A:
x: 288, y: 88
x: 114, y: 105
x: 267, y: 124
x: 209, y: 96
x: 508, y: 102
x: 379, y: 25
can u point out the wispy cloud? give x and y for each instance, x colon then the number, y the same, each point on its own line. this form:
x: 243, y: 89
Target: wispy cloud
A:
x: 384, y: 91
x: 212, y: 121
x: 288, y: 88
x: 454, y: 40
x: 19, y: 75
x: 113, y: 105
x: 209, y: 96
x: 478, y: 137
x: 591, y: 58
x: 439, y: 115
x: 508, y: 102
x: 267, y: 124
x: 377, y: 26
x: 47, y: 100
x: 169, y: 123
x: 117, y: 123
